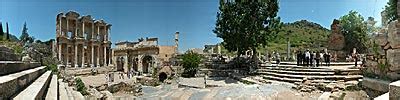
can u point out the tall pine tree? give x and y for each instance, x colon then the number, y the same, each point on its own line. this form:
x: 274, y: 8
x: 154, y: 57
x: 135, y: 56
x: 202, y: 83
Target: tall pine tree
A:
x: 1, y: 29
x: 8, y: 32
x: 24, y: 35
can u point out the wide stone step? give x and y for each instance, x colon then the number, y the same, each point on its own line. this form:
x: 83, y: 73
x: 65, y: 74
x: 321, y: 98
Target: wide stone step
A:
x: 332, y: 77
x: 311, y: 69
x: 332, y: 63
x: 63, y: 93
x: 52, y: 91
x: 293, y: 80
x: 14, y: 83
x: 9, y: 67
x: 295, y: 72
x: 290, y: 80
x: 36, y: 90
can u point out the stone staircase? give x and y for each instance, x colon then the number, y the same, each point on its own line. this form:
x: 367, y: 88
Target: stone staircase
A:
x: 291, y: 73
x: 26, y: 81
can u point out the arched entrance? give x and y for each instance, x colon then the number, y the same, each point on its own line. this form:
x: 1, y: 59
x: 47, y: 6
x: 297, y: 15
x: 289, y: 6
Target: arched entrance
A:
x: 147, y: 62
x: 162, y: 76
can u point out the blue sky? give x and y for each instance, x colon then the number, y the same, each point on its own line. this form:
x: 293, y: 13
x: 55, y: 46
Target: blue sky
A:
x: 194, y: 19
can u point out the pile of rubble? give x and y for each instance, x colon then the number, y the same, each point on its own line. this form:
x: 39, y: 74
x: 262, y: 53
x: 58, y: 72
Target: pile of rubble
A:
x: 309, y: 86
x: 104, y: 92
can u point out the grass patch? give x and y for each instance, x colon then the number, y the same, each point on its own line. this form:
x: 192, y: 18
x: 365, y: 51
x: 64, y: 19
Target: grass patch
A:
x: 247, y: 82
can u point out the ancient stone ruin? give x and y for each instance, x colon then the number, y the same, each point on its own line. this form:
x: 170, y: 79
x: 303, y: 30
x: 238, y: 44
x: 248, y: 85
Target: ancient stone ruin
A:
x: 82, y: 41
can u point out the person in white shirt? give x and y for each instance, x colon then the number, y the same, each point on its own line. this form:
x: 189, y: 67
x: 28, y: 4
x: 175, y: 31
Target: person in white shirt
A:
x: 307, y: 54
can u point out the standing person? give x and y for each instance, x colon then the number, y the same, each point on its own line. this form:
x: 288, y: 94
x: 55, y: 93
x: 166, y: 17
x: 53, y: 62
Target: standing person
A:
x: 307, y: 56
x: 298, y: 58
x: 278, y: 59
x: 317, y: 58
x: 311, y: 58
x: 329, y: 56
x: 354, y: 55
x: 302, y: 58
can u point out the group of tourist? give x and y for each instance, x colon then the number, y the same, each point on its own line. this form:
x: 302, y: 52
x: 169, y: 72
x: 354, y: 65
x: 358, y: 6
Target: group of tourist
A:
x: 314, y: 59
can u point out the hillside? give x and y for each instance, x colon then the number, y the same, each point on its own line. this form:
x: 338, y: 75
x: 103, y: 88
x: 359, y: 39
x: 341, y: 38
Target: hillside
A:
x: 303, y: 35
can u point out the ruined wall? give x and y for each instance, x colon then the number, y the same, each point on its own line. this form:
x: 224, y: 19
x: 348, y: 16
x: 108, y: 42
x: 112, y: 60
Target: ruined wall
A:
x: 166, y: 52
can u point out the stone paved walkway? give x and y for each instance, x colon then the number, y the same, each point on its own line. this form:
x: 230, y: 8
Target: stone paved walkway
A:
x: 169, y: 92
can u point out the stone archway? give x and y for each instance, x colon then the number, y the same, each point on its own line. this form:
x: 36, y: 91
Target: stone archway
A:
x: 162, y: 76
x: 147, y: 62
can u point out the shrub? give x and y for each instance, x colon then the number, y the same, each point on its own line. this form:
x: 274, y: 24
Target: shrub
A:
x: 80, y: 86
x: 190, y: 61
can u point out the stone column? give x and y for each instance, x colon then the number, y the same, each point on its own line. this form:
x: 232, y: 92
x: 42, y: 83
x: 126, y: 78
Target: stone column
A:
x: 76, y: 29
x: 60, y: 52
x: 83, y: 30
x: 92, y: 35
x: 83, y: 56
x: 98, y: 32
x: 126, y: 63
x: 97, y: 56
x: 105, y: 56
x: 67, y: 55
x: 92, y: 57
x: 59, y: 26
x: 140, y: 65
x: 67, y: 27
x: 109, y: 56
x: 76, y: 55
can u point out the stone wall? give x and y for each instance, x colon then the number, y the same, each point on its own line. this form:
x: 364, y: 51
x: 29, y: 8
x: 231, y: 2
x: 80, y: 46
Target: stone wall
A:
x: 7, y: 54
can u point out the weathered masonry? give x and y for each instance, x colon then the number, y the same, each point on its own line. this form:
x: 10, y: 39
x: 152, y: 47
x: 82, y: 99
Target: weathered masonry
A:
x: 82, y: 41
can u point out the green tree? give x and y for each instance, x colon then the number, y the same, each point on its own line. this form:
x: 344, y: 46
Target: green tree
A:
x: 25, y: 36
x: 190, y: 62
x: 1, y: 30
x: 355, y: 32
x: 391, y: 10
x: 246, y: 25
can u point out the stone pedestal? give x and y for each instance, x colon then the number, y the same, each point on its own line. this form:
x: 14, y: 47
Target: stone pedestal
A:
x: 394, y: 91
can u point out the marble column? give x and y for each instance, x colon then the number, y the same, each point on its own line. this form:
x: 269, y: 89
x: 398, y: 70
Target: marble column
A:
x: 59, y: 26
x: 76, y: 29
x: 65, y: 34
x: 83, y: 30
x: 83, y: 56
x: 92, y: 57
x: 67, y: 55
x: 76, y: 55
x: 92, y: 34
x: 97, y: 56
x: 60, y: 52
x: 105, y: 56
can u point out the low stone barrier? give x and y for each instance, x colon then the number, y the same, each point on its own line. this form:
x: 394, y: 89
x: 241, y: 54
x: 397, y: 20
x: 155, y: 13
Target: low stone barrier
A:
x: 36, y: 90
x: 8, y: 67
x: 14, y: 83
x: 52, y: 91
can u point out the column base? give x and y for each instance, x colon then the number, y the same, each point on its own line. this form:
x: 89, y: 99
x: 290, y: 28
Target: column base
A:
x: 76, y: 65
